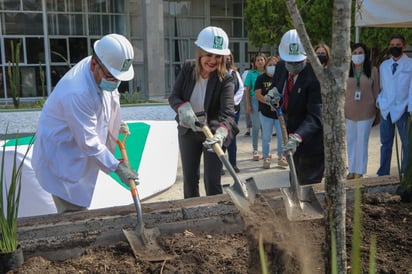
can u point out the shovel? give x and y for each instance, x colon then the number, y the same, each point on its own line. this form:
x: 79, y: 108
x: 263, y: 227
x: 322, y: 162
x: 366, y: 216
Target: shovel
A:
x: 242, y: 194
x: 143, y: 241
x: 300, y: 201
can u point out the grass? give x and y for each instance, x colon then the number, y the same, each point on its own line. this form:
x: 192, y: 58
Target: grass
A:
x: 10, y: 198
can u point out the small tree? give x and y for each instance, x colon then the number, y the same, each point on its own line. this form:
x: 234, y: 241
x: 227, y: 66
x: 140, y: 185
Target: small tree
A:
x: 13, y: 71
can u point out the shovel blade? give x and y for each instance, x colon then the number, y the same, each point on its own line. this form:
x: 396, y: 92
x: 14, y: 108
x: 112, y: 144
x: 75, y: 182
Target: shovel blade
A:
x: 301, y: 210
x: 242, y: 198
x: 145, y: 246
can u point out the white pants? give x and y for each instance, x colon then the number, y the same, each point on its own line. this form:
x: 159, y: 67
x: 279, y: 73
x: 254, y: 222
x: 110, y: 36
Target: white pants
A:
x: 357, y: 138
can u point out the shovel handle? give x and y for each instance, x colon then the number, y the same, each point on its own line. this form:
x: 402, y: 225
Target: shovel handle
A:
x: 216, y: 147
x: 122, y: 148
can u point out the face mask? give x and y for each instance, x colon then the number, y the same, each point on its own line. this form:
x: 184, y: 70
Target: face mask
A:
x: 270, y: 70
x: 295, y: 68
x: 322, y: 59
x: 227, y: 64
x: 358, y: 59
x: 108, y: 85
x: 395, y: 51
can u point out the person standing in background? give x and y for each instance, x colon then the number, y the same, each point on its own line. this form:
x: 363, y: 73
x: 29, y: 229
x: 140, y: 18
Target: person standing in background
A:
x: 252, y: 103
x: 248, y: 119
x: 323, y: 52
x: 268, y: 115
x: 360, y: 109
x: 204, y: 87
x: 238, y: 90
x: 395, y: 77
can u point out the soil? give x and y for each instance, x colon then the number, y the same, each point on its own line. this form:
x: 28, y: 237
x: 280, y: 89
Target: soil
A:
x: 290, y: 247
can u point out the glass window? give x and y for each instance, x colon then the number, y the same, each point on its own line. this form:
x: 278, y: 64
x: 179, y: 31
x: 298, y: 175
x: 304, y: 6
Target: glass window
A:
x: 12, y: 43
x: 11, y: 4
x: 35, y: 50
x: 95, y: 27
x: 32, y: 5
x: 217, y: 7
x: 117, y: 6
x: 78, y: 49
x: 24, y: 23
x: 75, y: 5
x: 97, y: 6
x: 58, y: 51
x: 56, y: 5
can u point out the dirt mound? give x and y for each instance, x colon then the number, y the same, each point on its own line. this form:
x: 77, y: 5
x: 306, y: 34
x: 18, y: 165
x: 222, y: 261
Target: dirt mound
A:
x: 383, y: 215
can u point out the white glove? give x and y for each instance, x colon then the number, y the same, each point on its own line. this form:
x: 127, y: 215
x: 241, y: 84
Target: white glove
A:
x: 273, y: 97
x: 125, y: 174
x: 187, y: 117
x: 124, y: 128
x: 293, y: 143
x: 219, y: 137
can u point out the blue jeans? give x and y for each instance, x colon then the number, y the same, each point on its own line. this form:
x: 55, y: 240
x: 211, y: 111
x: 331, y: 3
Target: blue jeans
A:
x: 255, y: 122
x: 267, y: 130
x: 387, y: 134
x: 232, y: 148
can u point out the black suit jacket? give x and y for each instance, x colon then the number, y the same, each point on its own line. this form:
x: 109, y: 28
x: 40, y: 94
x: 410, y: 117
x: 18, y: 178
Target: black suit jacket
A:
x: 219, y: 104
x: 304, y: 113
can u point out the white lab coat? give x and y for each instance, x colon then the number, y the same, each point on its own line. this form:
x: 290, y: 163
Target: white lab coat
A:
x: 76, y: 136
x: 393, y: 98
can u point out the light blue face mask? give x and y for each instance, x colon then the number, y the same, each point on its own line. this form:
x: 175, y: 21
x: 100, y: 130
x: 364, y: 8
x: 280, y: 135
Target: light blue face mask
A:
x: 270, y: 70
x: 108, y: 85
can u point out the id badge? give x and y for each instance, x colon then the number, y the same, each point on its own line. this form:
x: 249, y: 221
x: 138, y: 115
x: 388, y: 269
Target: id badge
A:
x: 357, y: 95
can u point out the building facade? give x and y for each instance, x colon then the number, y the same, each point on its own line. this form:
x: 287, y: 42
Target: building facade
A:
x: 55, y: 34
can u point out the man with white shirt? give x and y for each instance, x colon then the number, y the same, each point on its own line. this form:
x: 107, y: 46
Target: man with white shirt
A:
x: 395, y: 76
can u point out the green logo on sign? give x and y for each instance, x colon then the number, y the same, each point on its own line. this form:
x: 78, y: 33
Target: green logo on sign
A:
x: 293, y: 49
x: 218, y: 42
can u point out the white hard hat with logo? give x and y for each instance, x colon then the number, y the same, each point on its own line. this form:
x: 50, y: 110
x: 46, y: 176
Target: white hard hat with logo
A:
x: 213, y: 40
x: 116, y: 54
x: 290, y: 47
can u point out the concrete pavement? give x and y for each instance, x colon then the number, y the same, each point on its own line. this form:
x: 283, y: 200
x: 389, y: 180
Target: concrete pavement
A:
x: 266, y: 178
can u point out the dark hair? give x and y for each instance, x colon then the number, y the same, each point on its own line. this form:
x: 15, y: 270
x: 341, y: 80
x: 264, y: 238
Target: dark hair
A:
x: 398, y: 36
x: 367, y: 67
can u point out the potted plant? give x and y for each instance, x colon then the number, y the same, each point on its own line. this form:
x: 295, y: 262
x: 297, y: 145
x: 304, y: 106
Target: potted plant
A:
x: 11, y: 254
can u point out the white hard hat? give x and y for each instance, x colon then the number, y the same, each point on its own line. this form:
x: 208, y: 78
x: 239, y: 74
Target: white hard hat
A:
x: 213, y: 40
x: 116, y: 54
x: 290, y: 47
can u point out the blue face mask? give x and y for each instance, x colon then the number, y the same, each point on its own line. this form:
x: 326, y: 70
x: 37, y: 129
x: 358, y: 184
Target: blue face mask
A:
x: 109, y: 85
x: 270, y: 70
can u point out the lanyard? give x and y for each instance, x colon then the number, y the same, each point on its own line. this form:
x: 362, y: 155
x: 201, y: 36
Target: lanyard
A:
x: 357, y: 75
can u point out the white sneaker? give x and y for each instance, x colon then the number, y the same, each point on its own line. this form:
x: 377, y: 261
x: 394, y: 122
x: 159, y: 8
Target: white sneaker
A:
x: 282, y: 161
x: 266, y: 163
x: 256, y: 155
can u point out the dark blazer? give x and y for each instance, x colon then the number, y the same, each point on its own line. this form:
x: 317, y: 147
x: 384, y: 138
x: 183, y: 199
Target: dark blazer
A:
x: 219, y: 104
x: 304, y: 113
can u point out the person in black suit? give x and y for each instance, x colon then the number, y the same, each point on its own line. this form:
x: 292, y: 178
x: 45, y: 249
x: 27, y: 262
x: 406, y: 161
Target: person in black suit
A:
x: 302, y: 108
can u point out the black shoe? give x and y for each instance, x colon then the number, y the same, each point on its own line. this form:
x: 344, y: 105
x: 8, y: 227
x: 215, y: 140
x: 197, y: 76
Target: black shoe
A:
x: 236, y: 169
x: 274, y: 134
x: 247, y: 133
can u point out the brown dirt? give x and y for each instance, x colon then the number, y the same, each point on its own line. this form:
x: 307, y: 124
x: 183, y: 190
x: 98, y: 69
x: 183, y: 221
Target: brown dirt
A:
x: 291, y: 247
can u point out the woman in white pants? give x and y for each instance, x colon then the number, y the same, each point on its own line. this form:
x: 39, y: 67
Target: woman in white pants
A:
x: 360, y: 109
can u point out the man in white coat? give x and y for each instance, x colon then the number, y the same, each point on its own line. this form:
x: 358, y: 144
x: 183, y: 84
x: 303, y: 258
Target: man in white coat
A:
x: 79, y: 124
x: 395, y: 76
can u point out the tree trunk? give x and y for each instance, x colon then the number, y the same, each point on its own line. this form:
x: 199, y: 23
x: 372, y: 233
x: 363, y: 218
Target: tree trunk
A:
x: 333, y: 84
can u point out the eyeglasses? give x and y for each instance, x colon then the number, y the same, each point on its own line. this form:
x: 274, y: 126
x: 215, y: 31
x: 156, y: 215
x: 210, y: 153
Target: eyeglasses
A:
x: 106, y: 75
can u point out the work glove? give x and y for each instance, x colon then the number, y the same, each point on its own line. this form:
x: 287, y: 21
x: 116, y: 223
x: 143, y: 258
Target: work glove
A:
x: 273, y: 97
x: 219, y: 137
x: 187, y: 117
x: 125, y: 173
x: 124, y: 128
x: 293, y: 143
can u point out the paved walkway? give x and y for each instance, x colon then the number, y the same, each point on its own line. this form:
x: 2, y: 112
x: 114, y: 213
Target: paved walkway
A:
x: 267, y: 178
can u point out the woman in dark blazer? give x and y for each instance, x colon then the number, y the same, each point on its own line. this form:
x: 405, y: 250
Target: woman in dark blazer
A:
x: 302, y: 108
x: 204, y: 91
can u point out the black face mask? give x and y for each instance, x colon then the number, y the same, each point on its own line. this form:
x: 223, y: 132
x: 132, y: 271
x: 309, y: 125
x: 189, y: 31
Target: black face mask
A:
x: 322, y: 59
x: 227, y: 64
x: 395, y: 51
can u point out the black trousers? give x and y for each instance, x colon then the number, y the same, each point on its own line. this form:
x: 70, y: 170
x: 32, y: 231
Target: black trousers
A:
x: 191, y: 150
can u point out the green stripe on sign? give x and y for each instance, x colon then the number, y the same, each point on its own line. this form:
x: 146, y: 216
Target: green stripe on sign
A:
x: 135, y: 144
x: 21, y: 141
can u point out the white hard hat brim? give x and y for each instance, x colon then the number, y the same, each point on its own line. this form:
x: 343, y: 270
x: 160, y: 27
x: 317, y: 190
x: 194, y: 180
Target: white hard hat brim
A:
x: 290, y: 58
x: 123, y: 75
x: 214, y: 51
